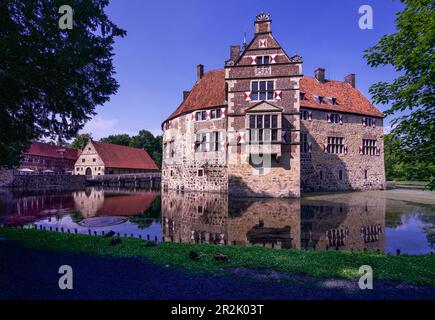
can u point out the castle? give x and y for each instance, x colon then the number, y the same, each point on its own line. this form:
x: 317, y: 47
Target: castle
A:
x: 260, y: 128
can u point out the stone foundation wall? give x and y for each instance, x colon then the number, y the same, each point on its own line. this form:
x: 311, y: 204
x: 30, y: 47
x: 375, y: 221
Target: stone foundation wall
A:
x: 320, y: 171
x: 46, y: 181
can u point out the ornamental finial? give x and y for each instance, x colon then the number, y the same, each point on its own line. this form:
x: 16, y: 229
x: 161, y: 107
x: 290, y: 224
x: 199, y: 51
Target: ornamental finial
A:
x: 263, y: 16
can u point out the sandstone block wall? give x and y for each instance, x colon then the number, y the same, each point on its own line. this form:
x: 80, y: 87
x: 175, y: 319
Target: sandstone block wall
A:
x: 181, y: 165
x: 47, y: 181
x: 320, y: 171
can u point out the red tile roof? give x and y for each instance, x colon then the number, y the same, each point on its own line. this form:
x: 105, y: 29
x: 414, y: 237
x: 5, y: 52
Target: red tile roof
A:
x: 52, y: 151
x: 116, y: 156
x: 349, y: 99
x: 210, y: 92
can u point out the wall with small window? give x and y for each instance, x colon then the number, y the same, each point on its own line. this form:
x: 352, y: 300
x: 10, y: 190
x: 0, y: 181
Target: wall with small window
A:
x: 341, y: 149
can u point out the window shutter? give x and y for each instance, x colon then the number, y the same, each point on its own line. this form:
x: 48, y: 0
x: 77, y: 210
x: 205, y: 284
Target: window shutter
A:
x: 310, y: 115
x: 262, y: 43
x: 325, y: 148
x: 254, y: 60
x: 208, y: 112
x: 328, y: 117
x: 345, y: 149
x: 361, y: 150
x: 194, y: 116
x: 223, y: 112
x: 340, y: 117
x: 374, y: 123
x: 378, y: 151
x: 363, y: 121
x: 309, y: 147
x: 283, y: 136
x: 222, y: 143
x: 278, y: 95
x: 273, y: 58
x: 241, y: 137
x: 248, y: 96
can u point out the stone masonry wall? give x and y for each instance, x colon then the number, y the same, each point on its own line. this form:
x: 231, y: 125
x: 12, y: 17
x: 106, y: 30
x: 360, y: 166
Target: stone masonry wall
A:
x: 320, y: 171
x: 47, y: 181
x: 181, y: 165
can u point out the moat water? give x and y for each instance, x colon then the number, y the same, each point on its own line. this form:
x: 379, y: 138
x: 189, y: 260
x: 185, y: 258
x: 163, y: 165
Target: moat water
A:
x: 383, y: 221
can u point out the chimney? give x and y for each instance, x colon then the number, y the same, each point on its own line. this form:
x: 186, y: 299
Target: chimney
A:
x: 350, y: 79
x: 262, y: 23
x: 199, y: 71
x: 185, y: 94
x: 234, y: 53
x: 319, y: 74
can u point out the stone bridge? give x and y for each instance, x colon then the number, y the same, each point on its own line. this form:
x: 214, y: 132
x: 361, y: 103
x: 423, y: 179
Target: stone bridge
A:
x: 149, y: 180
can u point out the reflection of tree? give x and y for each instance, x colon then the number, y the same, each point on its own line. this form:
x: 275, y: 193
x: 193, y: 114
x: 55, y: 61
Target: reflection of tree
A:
x: 429, y: 218
x: 150, y: 215
x: 76, y: 216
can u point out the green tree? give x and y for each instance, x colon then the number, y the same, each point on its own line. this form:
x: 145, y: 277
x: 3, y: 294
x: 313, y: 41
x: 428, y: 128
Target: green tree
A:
x: 51, y: 79
x: 411, y: 96
x: 153, y: 145
x: 400, y: 164
x: 80, y: 141
x: 120, y: 139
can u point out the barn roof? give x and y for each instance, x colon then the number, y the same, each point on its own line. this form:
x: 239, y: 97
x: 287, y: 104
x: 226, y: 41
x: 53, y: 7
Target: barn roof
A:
x: 116, y: 156
x: 51, y: 151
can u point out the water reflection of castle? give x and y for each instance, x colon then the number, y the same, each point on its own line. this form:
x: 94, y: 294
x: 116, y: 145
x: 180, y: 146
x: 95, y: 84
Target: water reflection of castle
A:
x: 353, y: 223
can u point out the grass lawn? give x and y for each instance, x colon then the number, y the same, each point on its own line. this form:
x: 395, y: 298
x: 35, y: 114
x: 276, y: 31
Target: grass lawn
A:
x: 418, y: 184
x: 403, y: 268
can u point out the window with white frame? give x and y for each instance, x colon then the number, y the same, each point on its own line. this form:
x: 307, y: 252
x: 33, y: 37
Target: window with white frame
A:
x: 335, y: 118
x: 306, y: 114
x: 369, y: 147
x: 262, y: 90
x: 213, y: 141
x: 335, y: 145
x: 261, y: 60
x: 368, y: 122
x: 201, y: 115
x: 201, y: 142
x: 215, y: 114
x: 263, y: 127
x: 207, y: 141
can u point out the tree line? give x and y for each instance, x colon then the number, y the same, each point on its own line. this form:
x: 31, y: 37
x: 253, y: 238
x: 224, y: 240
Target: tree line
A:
x: 402, y: 163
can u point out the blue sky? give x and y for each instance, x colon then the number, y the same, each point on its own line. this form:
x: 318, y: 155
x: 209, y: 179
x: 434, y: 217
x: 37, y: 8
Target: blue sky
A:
x: 166, y: 39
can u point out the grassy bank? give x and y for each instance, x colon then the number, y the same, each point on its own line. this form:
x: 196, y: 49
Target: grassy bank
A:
x: 404, y: 268
x: 408, y: 184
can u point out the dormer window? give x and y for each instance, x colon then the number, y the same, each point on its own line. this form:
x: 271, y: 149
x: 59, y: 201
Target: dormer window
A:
x: 332, y: 101
x: 301, y: 96
x: 260, y: 60
x: 319, y: 99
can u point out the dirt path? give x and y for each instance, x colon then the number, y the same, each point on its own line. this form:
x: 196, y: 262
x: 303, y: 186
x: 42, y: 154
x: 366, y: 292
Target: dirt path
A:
x: 32, y: 274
